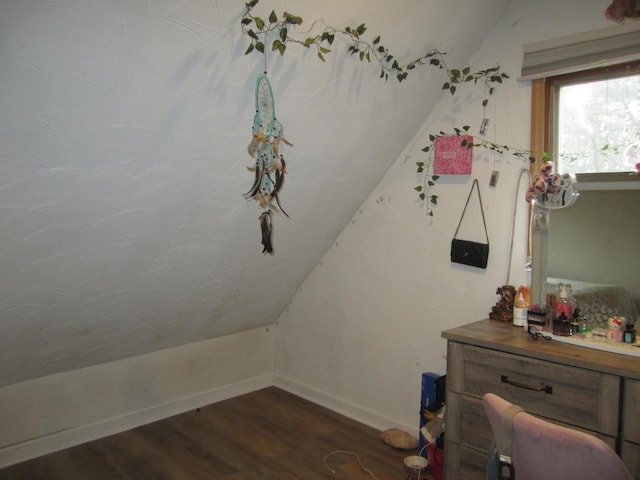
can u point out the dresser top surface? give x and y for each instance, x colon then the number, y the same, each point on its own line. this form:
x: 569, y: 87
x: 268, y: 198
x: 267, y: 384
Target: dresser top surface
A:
x: 503, y: 336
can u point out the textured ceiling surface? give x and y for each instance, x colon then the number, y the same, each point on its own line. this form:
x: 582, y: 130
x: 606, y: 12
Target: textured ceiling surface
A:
x: 124, y: 128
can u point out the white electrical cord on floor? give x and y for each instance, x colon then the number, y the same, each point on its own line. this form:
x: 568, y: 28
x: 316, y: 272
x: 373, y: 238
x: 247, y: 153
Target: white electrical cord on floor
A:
x: 347, y: 453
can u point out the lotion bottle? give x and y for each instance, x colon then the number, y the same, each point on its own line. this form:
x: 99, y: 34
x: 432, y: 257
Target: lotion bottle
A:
x: 521, y: 307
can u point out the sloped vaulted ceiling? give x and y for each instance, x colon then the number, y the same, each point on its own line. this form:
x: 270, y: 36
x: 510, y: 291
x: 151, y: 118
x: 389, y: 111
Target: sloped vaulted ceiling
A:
x: 123, y: 134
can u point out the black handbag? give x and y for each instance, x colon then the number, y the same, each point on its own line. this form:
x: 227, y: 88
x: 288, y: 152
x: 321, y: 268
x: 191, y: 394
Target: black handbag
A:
x: 466, y: 252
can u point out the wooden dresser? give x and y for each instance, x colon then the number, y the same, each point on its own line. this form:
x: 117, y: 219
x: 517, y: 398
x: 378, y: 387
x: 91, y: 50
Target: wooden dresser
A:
x: 587, y: 389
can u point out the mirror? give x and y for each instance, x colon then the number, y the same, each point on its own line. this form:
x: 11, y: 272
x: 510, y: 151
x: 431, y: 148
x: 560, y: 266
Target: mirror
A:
x: 593, y: 245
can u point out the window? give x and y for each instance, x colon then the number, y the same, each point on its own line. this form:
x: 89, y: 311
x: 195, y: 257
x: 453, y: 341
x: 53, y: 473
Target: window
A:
x: 594, y: 120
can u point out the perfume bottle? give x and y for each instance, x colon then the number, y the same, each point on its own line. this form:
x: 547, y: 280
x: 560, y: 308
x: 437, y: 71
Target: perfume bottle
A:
x: 565, y: 303
x: 630, y: 333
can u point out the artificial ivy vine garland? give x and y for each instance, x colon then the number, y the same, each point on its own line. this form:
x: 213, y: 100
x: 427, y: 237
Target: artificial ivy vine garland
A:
x: 258, y: 29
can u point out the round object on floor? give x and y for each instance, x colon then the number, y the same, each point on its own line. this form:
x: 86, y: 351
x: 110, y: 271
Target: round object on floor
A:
x: 399, y: 439
x: 416, y: 466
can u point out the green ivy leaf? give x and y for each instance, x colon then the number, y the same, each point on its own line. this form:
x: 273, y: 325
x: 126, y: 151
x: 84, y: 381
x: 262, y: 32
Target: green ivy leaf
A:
x: 279, y: 46
x: 246, y: 21
x: 434, y: 199
x: 361, y: 29
x: 320, y: 56
x: 260, y: 47
x: 252, y: 34
x: 422, y: 196
x: 283, y: 34
x: 249, y: 49
x: 435, y: 177
x: 259, y: 23
x: 273, y: 18
x: 309, y: 41
x: 376, y: 40
x: 418, y: 188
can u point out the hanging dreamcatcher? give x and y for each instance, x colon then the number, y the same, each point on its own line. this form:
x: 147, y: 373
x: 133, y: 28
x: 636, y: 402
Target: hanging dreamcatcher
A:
x: 269, y: 168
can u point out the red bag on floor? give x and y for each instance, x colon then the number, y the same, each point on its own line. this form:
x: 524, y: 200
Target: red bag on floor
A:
x: 435, y: 455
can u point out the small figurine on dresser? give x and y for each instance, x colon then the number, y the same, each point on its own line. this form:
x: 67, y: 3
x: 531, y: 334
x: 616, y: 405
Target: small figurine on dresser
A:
x: 503, y: 309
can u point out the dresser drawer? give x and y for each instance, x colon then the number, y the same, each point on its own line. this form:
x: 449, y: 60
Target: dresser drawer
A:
x: 631, y: 458
x: 463, y: 463
x: 631, y: 425
x: 570, y: 395
x: 466, y: 423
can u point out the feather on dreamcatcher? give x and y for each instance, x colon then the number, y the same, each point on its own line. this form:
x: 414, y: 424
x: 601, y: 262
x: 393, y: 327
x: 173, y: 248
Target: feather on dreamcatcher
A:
x: 269, y: 167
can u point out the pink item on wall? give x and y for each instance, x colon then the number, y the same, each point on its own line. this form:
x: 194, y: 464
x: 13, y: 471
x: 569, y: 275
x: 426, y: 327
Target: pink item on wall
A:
x: 452, y: 156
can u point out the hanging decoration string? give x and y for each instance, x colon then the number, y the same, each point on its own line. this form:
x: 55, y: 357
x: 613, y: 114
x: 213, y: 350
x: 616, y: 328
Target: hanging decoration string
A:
x: 523, y: 172
x: 265, y: 54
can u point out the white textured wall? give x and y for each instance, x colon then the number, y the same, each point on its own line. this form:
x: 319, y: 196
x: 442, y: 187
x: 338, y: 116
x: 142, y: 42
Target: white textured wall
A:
x: 367, y: 321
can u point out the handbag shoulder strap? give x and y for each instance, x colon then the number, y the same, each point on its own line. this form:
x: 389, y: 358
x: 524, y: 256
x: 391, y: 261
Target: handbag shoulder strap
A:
x: 477, y: 187
x: 504, y: 449
x: 506, y: 468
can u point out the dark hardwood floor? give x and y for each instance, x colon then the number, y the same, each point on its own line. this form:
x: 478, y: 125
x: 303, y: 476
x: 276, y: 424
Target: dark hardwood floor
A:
x: 269, y: 434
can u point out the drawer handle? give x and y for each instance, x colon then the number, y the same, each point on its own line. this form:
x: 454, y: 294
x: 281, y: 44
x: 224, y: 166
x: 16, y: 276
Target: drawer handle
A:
x: 543, y: 388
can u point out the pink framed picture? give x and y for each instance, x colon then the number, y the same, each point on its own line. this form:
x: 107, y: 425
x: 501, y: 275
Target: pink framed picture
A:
x: 451, y: 157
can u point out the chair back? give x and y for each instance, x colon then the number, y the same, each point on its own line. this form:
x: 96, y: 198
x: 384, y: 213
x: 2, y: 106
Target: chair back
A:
x: 541, y: 450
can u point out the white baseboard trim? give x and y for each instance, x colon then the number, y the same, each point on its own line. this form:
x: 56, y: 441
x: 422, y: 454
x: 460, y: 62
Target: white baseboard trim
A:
x: 341, y: 406
x: 37, y: 447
